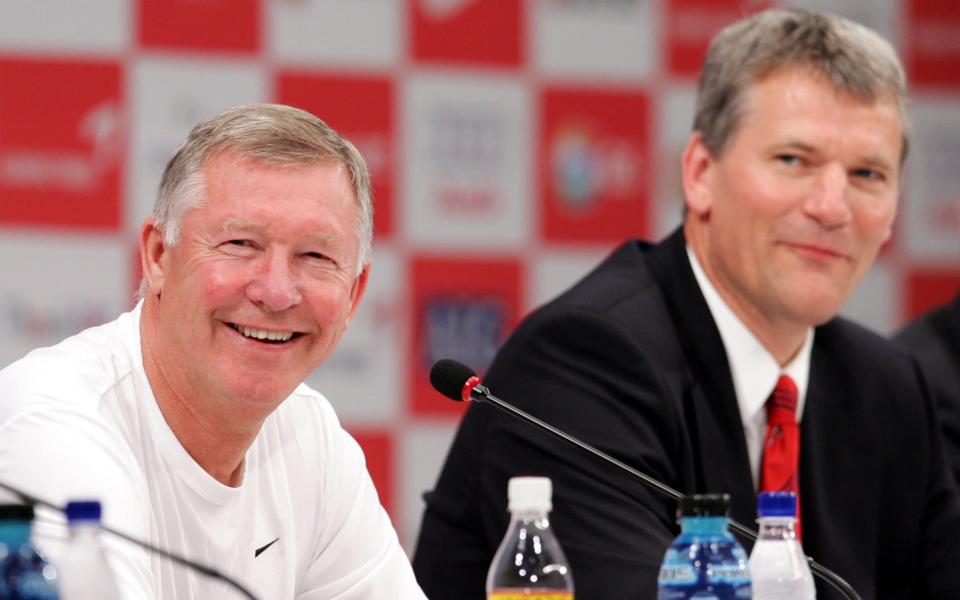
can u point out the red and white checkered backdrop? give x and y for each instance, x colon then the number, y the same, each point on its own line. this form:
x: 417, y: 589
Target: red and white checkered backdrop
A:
x: 513, y: 143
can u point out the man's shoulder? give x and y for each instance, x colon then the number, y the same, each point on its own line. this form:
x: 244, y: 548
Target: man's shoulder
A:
x: 618, y: 308
x: 80, y: 368
x: 866, y: 357
x: 619, y: 276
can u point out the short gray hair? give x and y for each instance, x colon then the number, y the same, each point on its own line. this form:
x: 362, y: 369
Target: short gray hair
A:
x: 853, y: 58
x: 272, y: 134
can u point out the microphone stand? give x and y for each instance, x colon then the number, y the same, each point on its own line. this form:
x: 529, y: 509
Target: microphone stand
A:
x: 180, y: 560
x: 480, y: 393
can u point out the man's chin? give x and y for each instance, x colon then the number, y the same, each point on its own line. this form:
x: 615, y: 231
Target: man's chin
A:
x: 261, y: 395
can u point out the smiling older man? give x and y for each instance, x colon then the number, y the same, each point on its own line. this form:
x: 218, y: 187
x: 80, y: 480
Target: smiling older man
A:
x: 188, y: 416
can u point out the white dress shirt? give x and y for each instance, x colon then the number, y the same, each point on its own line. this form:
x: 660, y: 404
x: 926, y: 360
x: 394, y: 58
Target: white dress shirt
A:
x: 754, y: 370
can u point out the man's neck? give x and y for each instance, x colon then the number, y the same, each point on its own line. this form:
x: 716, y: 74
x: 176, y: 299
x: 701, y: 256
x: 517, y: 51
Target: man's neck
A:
x: 218, y: 444
x: 782, y: 339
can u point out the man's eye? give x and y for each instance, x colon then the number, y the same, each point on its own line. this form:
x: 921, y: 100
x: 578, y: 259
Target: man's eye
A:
x: 788, y: 159
x: 241, y: 243
x: 868, y: 174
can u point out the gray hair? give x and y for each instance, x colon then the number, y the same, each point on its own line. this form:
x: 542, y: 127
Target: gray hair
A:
x: 272, y: 134
x: 853, y: 58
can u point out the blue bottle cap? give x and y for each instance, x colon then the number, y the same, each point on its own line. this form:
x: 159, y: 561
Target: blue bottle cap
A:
x: 777, y: 504
x: 83, y: 510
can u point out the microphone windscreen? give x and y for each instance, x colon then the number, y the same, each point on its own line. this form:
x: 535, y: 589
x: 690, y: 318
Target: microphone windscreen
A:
x: 448, y: 376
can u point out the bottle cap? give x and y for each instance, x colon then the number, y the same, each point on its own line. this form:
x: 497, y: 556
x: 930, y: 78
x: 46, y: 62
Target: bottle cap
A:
x: 703, y: 505
x: 83, y: 510
x: 777, y: 504
x: 16, y: 512
x: 530, y: 493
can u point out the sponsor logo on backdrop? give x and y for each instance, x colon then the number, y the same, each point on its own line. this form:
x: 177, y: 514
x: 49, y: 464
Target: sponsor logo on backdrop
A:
x: 594, y: 165
x: 467, y: 150
x: 586, y: 167
x: 464, y: 329
x: 39, y: 326
x: 60, y: 150
x: 71, y: 171
x: 462, y: 309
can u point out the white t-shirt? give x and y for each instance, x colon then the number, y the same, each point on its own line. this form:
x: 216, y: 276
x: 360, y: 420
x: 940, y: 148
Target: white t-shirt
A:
x: 79, y: 420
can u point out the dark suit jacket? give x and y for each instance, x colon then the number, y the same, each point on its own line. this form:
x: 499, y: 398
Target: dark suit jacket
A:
x: 934, y: 339
x: 631, y: 361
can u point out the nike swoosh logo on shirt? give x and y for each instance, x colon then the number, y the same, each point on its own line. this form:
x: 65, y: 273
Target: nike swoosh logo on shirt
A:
x: 260, y: 550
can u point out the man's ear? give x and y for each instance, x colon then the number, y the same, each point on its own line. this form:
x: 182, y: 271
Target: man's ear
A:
x: 153, y: 256
x: 356, y: 293
x: 697, y: 171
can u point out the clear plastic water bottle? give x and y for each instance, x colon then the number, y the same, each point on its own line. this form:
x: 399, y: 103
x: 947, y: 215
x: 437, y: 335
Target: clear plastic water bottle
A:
x: 84, y: 571
x: 24, y: 573
x: 705, y: 561
x: 778, y: 566
x: 529, y: 565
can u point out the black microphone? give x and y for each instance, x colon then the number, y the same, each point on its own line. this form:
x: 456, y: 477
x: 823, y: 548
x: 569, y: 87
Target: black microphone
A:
x: 200, y: 568
x: 459, y: 382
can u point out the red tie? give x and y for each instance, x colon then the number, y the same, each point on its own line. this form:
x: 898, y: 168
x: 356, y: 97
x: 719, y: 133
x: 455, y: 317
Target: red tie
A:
x: 781, y: 445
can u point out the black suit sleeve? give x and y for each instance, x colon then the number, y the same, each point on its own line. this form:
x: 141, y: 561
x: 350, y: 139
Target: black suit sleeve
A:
x: 579, y: 371
x: 940, y: 522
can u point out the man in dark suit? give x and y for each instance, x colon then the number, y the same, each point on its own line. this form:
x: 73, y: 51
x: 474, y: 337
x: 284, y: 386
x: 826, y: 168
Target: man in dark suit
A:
x: 665, y: 355
x: 934, y: 339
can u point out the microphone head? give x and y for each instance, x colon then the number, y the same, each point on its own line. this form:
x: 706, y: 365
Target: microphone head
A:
x: 448, y: 377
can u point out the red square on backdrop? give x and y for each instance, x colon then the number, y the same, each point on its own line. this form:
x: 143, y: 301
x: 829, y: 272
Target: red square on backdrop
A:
x: 475, y: 31
x: 930, y: 288
x: 594, y: 165
x: 932, y: 51
x: 691, y: 24
x: 378, y: 449
x: 218, y: 25
x: 462, y: 309
x: 361, y: 109
x: 62, y: 140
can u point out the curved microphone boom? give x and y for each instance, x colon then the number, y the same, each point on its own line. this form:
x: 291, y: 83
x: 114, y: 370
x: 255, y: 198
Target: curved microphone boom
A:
x: 459, y: 382
x: 200, y: 568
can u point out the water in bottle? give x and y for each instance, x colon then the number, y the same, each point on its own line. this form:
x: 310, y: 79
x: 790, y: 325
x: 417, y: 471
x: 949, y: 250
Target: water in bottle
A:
x: 705, y: 562
x: 778, y: 566
x: 24, y: 573
x: 84, y: 571
x: 529, y: 565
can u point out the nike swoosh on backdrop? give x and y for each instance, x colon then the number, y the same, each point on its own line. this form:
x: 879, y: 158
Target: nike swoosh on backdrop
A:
x: 260, y: 550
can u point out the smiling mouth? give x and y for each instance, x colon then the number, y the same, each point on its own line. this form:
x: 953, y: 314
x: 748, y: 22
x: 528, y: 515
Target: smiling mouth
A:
x: 265, y: 336
x: 820, y: 251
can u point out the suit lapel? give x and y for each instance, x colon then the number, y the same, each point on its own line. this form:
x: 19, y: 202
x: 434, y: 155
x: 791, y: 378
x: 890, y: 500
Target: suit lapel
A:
x: 839, y: 489
x: 710, y: 403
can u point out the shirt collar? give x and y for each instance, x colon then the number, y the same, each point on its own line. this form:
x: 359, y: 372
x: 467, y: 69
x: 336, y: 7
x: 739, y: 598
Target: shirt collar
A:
x: 754, y: 370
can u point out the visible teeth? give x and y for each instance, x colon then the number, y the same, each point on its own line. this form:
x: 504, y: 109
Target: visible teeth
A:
x: 263, y: 334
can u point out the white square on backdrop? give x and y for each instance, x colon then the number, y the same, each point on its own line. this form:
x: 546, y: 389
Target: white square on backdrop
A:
x: 467, y: 173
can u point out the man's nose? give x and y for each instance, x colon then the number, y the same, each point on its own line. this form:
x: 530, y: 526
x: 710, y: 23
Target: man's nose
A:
x: 274, y: 285
x: 829, y: 202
